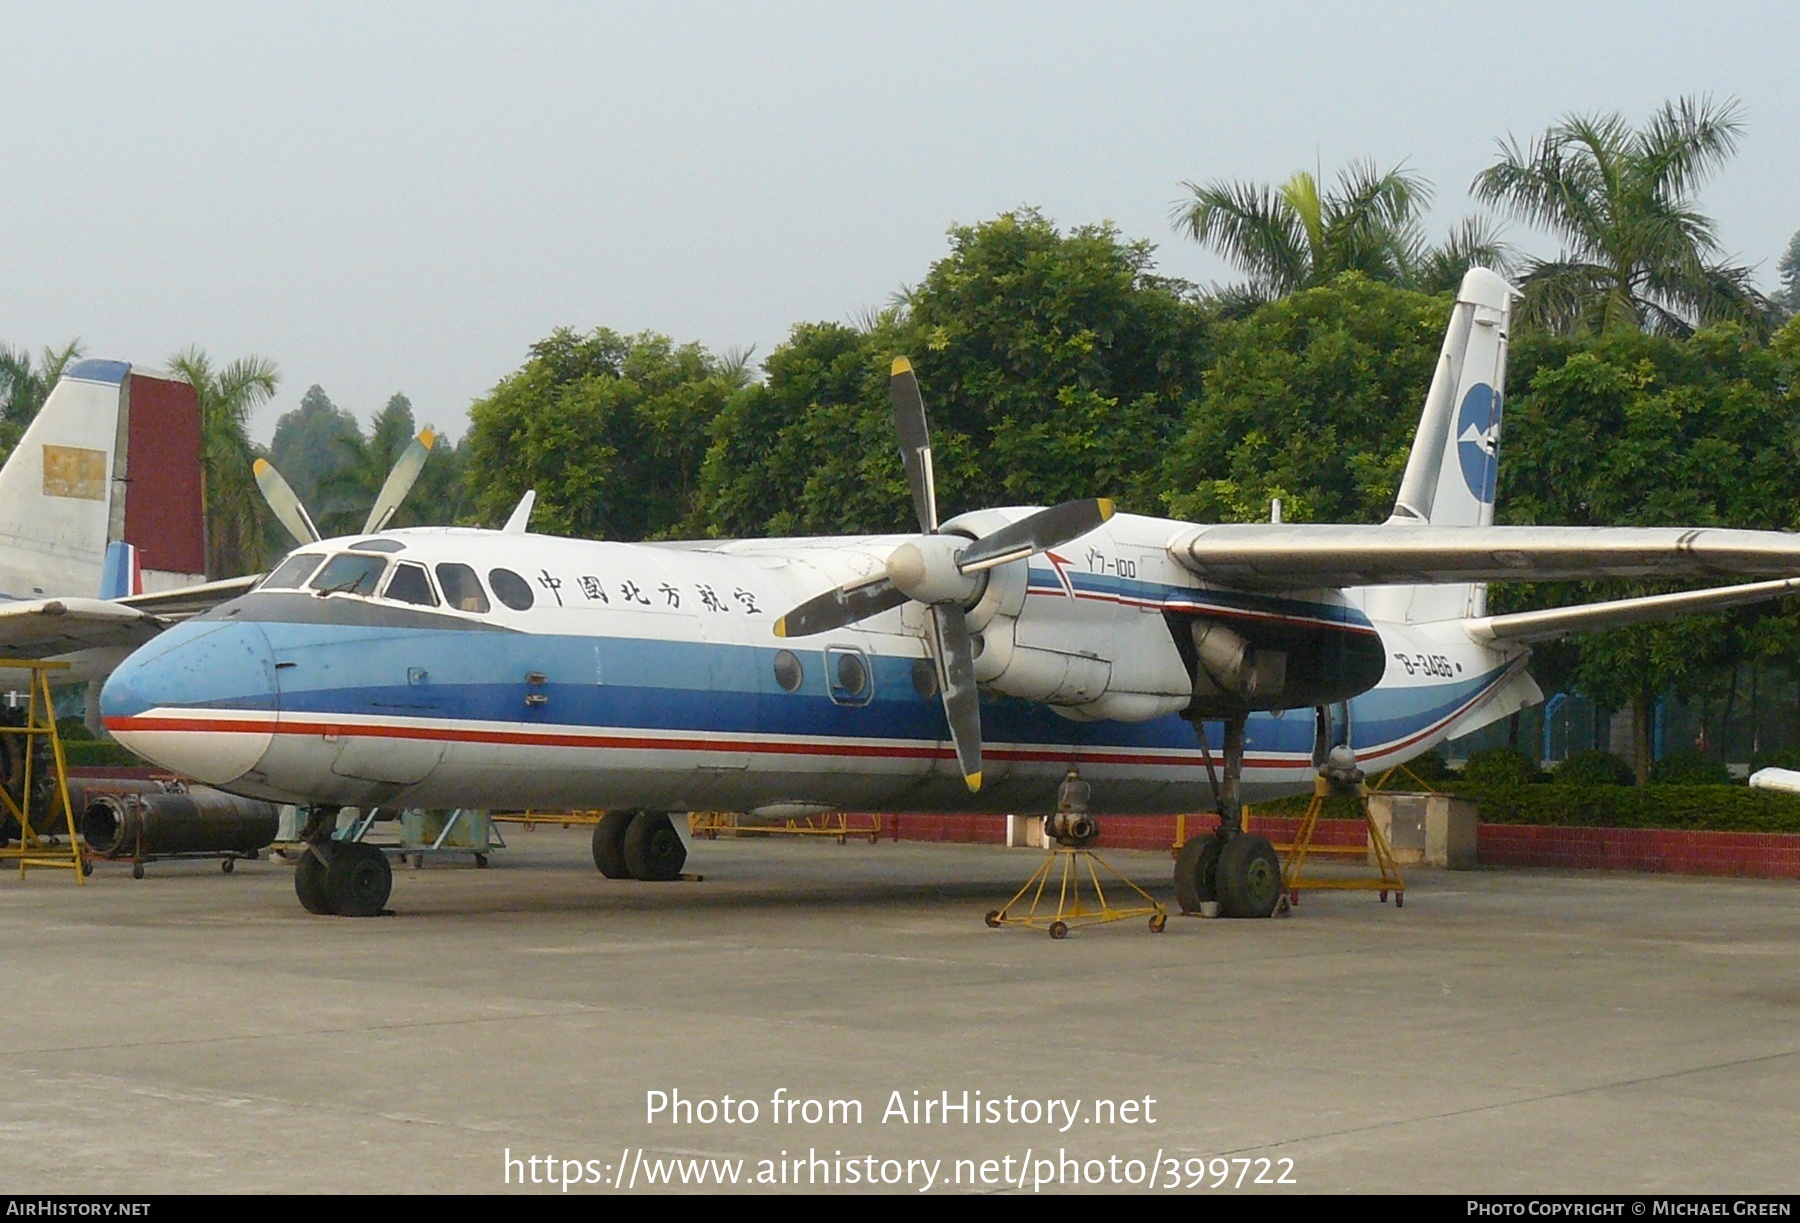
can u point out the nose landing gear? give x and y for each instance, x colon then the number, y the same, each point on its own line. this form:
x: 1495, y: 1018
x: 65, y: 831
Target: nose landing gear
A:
x: 345, y: 878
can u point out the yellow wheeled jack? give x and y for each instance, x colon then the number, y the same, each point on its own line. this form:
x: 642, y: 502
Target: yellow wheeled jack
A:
x: 40, y: 724
x: 1073, y: 830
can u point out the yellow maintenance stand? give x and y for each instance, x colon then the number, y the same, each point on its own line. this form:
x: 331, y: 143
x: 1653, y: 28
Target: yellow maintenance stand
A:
x: 1346, y: 780
x: 1073, y: 830
x: 40, y: 723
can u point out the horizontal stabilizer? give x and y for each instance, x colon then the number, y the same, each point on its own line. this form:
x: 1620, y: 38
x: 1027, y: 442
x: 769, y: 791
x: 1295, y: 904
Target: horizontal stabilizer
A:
x: 1587, y: 617
x: 1293, y: 556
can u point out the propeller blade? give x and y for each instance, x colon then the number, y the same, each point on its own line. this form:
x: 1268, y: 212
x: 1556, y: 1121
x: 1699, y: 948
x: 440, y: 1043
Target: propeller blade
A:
x: 1045, y: 529
x: 956, y: 678
x: 836, y: 608
x: 915, y: 443
x: 399, y: 481
x: 286, y: 505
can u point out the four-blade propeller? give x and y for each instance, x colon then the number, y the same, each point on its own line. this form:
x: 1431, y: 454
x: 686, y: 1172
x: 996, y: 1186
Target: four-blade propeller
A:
x: 947, y: 573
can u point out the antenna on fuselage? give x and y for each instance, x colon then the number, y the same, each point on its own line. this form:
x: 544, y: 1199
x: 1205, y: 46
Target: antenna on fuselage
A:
x: 520, y: 518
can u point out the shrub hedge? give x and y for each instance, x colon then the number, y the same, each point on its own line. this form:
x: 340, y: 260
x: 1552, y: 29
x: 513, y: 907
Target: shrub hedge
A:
x: 1681, y: 808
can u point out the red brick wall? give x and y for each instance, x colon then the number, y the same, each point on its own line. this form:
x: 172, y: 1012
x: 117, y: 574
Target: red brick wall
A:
x: 1760, y: 855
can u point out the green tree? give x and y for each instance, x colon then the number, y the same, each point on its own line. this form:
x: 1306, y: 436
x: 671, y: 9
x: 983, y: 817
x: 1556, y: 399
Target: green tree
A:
x: 238, y: 522
x: 1644, y: 430
x: 23, y: 389
x: 1790, y: 276
x: 1315, y: 399
x: 307, y: 446
x: 1638, y: 254
x: 1300, y: 235
x: 611, y: 431
x: 1054, y: 365
x: 347, y: 491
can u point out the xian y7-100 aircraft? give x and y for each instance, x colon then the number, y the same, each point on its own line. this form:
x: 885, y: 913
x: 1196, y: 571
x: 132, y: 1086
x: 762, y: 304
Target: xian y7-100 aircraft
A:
x: 965, y: 667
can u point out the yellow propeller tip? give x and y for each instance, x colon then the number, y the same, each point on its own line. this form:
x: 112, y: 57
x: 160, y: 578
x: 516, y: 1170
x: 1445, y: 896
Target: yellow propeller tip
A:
x: 974, y: 780
x: 428, y: 437
x: 260, y: 466
x: 781, y: 627
x: 1107, y: 508
x: 901, y: 366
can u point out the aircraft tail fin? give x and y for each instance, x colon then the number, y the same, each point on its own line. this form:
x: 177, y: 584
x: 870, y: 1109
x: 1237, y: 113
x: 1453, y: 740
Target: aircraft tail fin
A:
x: 113, y: 456
x: 1451, y: 472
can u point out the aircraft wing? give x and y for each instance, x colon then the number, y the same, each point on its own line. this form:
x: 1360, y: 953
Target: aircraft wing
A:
x: 1296, y: 556
x: 1556, y: 622
x: 188, y: 601
x: 44, y: 628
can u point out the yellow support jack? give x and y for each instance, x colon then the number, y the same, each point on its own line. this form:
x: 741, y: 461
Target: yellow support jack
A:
x: 1074, y: 830
x: 40, y: 723
x: 1071, y: 912
x: 1294, y: 856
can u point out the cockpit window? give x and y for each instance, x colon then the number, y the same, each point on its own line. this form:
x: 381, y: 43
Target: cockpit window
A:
x: 377, y: 545
x: 411, y: 584
x: 349, y: 573
x: 511, y: 589
x: 293, y: 572
x: 462, y: 589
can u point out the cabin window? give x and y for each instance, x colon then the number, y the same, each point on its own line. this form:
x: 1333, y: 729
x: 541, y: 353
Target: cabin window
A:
x: 411, y: 584
x: 511, y: 589
x: 925, y: 677
x: 462, y: 589
x: 788, y: 671
x: 847, y: 670
x: 349, y: 573
x: 293, y: 572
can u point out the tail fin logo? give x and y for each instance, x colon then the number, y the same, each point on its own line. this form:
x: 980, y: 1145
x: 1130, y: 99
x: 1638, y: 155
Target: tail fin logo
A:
x: 1477, y: 439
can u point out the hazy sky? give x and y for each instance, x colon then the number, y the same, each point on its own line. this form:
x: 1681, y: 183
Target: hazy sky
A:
x: 404, y: 197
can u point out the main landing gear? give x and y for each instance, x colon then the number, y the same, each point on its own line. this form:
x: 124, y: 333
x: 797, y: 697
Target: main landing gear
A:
x: 345, y: 878
x: 639, y: 845
x: 1231, y: 873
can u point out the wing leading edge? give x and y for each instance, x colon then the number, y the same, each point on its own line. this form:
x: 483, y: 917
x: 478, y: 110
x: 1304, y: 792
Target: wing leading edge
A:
x: 1292, y: 556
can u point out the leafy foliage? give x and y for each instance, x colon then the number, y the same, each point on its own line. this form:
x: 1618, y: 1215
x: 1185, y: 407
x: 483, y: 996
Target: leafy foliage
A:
x: 308, y: 441
x: 1638, y: 253
x: 1054, y: 365
x: 1690, y: 769
x: 1499, y: 766
x: 1313, y: 399
x: 1700, y: 808
x: 23, y: 389
x: 1593, y: 768
x: 238, y: 521
x: 609, y: 429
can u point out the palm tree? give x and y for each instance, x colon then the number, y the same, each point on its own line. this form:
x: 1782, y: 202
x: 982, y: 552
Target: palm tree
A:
x: 1296, y: 236
x: 238, y: 523
x: 1637, y: 254
x: 24, y: 389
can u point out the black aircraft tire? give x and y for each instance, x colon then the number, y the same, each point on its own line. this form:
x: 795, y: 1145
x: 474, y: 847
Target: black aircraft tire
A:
x: 609, y: 844
x: 359, y: 881
x: 1249, y: 877
x: 653, y: 849
x: 309, y: 884
x: 1194, y: 872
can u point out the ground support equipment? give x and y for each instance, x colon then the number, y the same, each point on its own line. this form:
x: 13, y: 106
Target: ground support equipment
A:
x: 1073, y: 830
x: 840, y: 825
x: 1294, y: 856
x: 40, y: 725
x: 531, y: 819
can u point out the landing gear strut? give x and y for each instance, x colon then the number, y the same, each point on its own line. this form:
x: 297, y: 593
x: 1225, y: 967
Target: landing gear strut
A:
x: 1236, y: 871
x: 638, y: 845
x: 346, y: 878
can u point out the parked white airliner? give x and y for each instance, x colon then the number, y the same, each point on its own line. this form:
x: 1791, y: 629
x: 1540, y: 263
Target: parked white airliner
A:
x: 967, y: 667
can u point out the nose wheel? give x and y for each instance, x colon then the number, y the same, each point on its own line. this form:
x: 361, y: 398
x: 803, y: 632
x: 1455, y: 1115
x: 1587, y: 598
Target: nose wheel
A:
x: 341, y: 878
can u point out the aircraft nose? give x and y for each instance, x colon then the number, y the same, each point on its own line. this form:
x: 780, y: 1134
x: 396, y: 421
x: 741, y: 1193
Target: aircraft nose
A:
x: 200, y: 700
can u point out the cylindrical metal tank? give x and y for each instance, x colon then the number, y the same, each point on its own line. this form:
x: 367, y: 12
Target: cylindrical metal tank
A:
x: 199, y: 820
